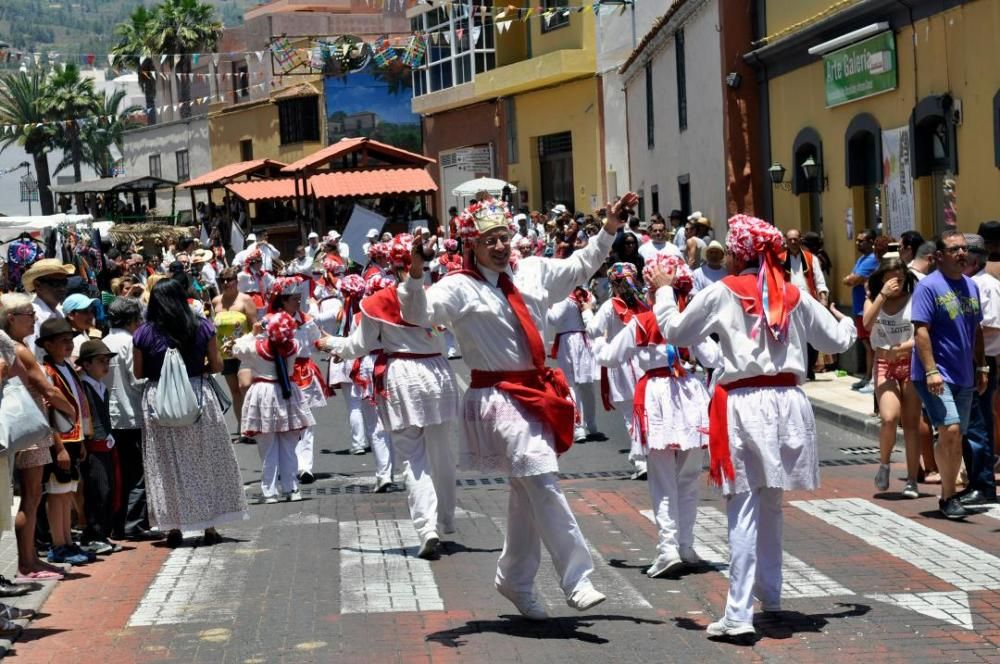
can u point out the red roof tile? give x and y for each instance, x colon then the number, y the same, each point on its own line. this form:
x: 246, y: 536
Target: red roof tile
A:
x: 370, y: 183
x: 346, y: 146
x: 264, y: 190
x: 231, y: 171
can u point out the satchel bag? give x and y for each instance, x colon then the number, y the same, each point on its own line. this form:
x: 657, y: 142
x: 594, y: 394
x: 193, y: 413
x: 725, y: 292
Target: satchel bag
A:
x: 22, y: 422
x: 176, y: 404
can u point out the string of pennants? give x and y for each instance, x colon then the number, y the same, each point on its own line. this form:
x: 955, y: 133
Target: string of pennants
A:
x: 409, y: 49
x: 14, y: 129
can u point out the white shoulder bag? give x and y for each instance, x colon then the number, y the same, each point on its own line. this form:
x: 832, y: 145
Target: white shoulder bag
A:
x: 22, y: 422
x: 175, y: 403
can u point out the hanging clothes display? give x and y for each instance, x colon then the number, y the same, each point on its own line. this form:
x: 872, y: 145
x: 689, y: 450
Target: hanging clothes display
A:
x: 21, y: 253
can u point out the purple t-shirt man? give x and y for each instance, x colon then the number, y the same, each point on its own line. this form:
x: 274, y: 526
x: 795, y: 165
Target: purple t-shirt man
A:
x: 951, y: 310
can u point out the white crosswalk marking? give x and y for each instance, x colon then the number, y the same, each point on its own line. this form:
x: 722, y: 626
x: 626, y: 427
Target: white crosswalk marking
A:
x: 379, y: 570
x: 197, y: 584
x: 621, y: 594
x: 711, y: 535
x: 950, y: 607
x: 951, y: 560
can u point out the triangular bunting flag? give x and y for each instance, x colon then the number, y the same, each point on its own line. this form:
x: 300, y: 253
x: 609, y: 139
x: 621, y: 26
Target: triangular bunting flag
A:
x: 163, y: 58
x: 195, y: 57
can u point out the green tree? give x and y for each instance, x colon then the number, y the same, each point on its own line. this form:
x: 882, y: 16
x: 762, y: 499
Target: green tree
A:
x: 183, y: 27
x: 20, y: 96
x: 67, y: 97
x: 97, y: 138
x: 137, y: 42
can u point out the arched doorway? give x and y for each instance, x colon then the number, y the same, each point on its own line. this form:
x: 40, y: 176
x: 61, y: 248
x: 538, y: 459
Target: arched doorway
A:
x: 935, y: 155
x: 807, y: 157
x: 863, y: 166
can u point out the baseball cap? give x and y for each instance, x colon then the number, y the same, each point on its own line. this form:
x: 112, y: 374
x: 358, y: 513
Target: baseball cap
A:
x: 313, y: 234
x: 77, y: 302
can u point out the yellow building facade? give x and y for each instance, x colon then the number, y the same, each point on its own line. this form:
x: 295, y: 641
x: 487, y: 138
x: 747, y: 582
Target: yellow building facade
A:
x: 942, y: 115
x: 541, y: 80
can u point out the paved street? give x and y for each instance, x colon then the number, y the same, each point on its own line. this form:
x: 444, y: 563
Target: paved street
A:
x: 335, y: 578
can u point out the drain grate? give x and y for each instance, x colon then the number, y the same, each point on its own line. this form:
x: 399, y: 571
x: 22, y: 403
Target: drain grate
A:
x: 860, y: 451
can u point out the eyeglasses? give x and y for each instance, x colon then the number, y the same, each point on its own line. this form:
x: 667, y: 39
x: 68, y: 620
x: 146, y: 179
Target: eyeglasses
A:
x: 53, y: 283
x: 956, y: 249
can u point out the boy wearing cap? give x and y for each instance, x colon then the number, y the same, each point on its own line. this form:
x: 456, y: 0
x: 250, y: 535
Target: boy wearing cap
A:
x: 98, y: 469
x: 79, y: 311
x: 56, y: 340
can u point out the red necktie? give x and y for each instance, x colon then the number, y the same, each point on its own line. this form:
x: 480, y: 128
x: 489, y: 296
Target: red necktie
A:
x: 527, y: 323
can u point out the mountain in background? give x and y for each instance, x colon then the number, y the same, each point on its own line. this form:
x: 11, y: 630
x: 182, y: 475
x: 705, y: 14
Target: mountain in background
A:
x: 74, y: 27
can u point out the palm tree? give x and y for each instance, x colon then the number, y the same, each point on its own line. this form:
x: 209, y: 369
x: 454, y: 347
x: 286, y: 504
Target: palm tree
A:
x: 66, y: 98
x: 136, y: 44
x: 98, y: 137
x: 183, y: 27
x: 20, y: 94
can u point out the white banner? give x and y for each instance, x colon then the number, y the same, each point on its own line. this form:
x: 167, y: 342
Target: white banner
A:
x: 362, y: 220
x: 899, y: 206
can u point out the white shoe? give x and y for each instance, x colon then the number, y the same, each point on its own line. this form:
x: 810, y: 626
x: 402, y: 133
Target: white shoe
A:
x: 357, y: 451
x: 430, y: 545
x: 664, y: 564
x: 579, y: 435
x: 269, y: 500
x: 525, y: 603
x: 382, y: 484
x: 585, y: 599
x: 452, y: 353
x: 639, y: 474
x: 294, y: 497
x: 689, y: 555
x: 726, y: 628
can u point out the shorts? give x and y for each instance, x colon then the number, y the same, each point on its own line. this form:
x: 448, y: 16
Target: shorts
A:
x: 230, y: 367
x: 862, y: 332
x: 55, y: 479
x: 33, y: 457
x: 953, y: 406
x: 897, y: 371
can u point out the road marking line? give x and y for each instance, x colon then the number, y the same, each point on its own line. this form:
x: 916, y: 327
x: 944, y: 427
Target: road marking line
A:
x: 951, y: 607
x: 380, y: 571
x: 711, y: 535
x: 608, y: 580
x: 949, y: 559
x: 197, y: 584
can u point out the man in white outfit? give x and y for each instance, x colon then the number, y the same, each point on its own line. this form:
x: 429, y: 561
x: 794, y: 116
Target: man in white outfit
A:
x: 516, y: 412
x: 417, y: 395
x: 762, y: 437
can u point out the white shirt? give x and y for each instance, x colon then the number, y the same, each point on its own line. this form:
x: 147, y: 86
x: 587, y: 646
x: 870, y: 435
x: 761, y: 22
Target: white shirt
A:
x: 622, y: 349
x: 394, y: 339
x: 798, y: 276
x: 679, y: 237
x: 648, y: 249
x: 311, y: 251
x: 42, y: 313
x: 717, y: 310
x: 705, y: 276
x: 260, y: 282
x: 989, y: 301
x: 301, y: 266
x: 565, y: 316
x: 478, y: 313
x: 126, y: 389
x: 891, y: 330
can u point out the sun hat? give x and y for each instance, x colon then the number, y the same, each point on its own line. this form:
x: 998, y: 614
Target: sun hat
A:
x: 47, y: 267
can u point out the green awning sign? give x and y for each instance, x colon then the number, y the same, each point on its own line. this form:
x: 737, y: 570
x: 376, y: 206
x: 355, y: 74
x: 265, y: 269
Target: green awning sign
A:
x: 861, y: 70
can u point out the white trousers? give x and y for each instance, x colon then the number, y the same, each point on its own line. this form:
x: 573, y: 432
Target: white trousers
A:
x: 304, y: 450
x: 625, y: 408
x: 279, y: 459
x: 673, y: 486
x: 363, y: 419
x: 449, y: 341
x: 537, y: 512
x: 755, y: 551
x: 586, y: 404
x: 430, y: 475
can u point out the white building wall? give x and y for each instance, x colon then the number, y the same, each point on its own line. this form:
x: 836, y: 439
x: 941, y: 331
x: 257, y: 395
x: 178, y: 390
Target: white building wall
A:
x: 166, y: 140
x: 619, y: 34
x: 698, y: 151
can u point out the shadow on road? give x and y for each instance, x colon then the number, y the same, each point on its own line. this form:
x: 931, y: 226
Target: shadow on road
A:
x: 515, y: 625
x: 782, y: 624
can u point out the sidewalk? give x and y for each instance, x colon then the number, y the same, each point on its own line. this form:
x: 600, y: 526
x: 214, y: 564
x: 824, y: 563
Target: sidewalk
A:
x: 833, y: 400
x: 8, y: 568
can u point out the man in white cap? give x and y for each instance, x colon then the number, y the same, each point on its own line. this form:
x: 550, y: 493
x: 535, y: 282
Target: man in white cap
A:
x: 333, y: 243
x: 517, y: 413
x: 312, y: 246
x: 47, y: 279
x: 558, y: 210
x: 371, y: 237
x: 762, y: 433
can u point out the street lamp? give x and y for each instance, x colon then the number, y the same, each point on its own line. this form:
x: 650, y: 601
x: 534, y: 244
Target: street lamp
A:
x: 811, y: 171
x: 777, y: 175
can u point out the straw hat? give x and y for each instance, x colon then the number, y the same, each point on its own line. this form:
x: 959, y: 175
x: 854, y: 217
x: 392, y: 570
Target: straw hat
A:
x: 46, y: 267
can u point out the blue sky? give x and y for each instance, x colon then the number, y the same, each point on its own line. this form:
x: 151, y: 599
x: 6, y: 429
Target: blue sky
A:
x: 362, y: 92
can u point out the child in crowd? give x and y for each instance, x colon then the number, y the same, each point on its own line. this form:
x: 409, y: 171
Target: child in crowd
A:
x: 62, y: 475
x: 275, y: 412
x: 98, y: 468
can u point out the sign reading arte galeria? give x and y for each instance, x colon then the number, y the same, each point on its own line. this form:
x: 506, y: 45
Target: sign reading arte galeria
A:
x: 861, y: 70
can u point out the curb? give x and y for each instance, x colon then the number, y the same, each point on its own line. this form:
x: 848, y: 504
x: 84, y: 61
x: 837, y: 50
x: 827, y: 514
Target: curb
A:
x: 850, y: 419
x: 34, y: 601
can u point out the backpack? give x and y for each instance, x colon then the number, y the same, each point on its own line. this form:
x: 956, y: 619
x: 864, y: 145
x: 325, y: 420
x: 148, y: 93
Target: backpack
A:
x: 175, y: 403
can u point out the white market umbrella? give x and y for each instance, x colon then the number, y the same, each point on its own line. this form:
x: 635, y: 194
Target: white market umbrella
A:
x: 473, y: 187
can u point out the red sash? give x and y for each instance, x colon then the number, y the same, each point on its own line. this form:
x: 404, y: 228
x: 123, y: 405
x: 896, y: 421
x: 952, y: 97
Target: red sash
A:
x: 82, y: 423
x: 382, y: 365
x: 305, y: 372
x: 543, y: 393
x: 718, y: 422
x: 647, y: 333
x: 554, y: 351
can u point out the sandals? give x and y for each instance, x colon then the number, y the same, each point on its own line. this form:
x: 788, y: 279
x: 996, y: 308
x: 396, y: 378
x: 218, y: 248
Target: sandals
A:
x: 38, y: 575
x: 8, y: 612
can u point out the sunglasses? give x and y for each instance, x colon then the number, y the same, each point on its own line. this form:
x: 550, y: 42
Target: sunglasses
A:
x: 54, y: 283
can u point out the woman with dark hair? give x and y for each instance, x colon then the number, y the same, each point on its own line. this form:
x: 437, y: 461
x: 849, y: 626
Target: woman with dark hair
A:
x: 192, y: 478
x: 628, y: 252
x: 887, y: 317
